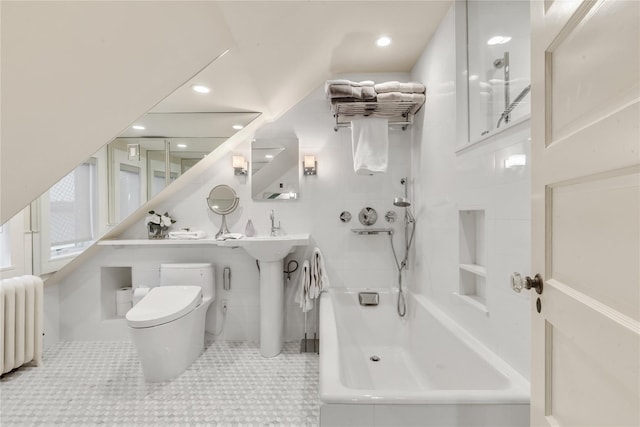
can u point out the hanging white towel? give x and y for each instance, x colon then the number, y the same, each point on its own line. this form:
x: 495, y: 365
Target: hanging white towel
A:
x: 319, y: 278
x: 302, y: 297
x: 370, y: 144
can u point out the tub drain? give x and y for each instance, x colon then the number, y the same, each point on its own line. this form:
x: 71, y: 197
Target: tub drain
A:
x: 374, y: 358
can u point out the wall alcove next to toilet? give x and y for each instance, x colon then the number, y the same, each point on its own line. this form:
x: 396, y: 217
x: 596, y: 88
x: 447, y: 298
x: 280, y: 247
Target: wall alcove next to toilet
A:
x: 472, y: 258
x: 111, y: 280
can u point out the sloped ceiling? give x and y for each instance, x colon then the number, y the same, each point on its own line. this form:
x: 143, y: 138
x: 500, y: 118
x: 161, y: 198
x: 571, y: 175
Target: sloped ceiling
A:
x: 291, y: 47
x: 285, y: 49
x: 278, y: 53
x: 75, y: 74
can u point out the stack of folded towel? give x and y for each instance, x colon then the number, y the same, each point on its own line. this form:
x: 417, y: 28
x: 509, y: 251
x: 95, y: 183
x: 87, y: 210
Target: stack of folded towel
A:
x: 348, y: 91
x: 367, y: 91
x: 397, y: 91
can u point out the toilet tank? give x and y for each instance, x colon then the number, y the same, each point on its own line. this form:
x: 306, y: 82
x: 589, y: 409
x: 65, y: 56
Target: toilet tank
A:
x: 193, y: 274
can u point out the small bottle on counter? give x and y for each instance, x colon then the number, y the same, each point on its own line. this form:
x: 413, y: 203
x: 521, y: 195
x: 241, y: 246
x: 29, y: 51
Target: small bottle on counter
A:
x: 249, y: 231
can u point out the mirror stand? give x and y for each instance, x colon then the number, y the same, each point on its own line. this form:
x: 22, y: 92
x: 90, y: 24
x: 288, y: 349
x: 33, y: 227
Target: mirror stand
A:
x: 223, y: 227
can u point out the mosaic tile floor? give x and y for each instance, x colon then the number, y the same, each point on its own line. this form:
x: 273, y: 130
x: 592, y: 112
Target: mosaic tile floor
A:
x: 101, y: 383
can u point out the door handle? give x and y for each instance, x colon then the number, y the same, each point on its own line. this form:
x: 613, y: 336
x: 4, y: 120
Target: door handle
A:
x: 518, y: 283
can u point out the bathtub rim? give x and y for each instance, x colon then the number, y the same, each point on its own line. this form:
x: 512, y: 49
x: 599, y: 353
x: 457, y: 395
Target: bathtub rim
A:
x: 331, y: 389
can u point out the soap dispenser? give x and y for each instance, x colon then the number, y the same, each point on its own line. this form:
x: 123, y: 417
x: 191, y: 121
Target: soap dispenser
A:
x: 249, y: 231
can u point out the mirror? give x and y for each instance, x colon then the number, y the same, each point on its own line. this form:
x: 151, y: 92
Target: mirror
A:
x: 155, y: 150
x: 275, y: 169
x: 135, y: 179
x: 497, y: 53
x: 123, y: 175
x: 222, y: 200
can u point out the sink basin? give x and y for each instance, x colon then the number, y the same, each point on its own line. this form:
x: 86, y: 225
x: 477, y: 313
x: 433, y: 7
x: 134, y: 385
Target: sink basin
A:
x: 270, y: 249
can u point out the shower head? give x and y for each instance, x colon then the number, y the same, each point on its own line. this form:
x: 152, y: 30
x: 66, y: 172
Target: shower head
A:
x: 402, y: 202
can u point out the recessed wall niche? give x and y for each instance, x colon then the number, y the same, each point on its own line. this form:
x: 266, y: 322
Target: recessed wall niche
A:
x: 472, y: 257
x: 112, y: 279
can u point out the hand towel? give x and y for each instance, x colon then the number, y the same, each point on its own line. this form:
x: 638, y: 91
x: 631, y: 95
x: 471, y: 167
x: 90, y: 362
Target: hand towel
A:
x: 370, y: 145
x: 319, y: 277
x: 393, y: 86
x: 187, y: 235
x: 302, y: 296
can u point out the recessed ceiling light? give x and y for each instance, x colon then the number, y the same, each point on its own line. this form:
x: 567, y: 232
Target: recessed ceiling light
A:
x: 138, y: 127
x: 181, y: 145
x: 237, y: 127
x: 269, y: 156
x: 383, y: 41
x: 498, y: 40
x: 200, y: 88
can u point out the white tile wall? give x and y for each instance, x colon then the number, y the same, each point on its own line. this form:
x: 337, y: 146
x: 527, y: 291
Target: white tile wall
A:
x: 351, y: 260
x: 446, y: 181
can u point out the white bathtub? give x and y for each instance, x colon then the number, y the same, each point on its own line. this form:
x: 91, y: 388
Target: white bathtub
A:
x: 430, y: 372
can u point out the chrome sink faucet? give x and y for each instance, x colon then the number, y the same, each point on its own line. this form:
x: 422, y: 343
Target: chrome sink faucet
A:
x: 274, y: 229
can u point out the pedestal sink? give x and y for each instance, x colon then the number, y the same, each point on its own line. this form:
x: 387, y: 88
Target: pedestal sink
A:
x: 270, y: 251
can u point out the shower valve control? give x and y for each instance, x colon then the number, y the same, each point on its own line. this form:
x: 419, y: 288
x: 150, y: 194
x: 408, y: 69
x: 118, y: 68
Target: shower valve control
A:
x: 518, y: 283
x: 368, y: 216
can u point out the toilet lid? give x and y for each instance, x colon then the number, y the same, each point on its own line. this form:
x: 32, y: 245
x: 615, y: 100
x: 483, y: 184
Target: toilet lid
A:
x: 163, y: 304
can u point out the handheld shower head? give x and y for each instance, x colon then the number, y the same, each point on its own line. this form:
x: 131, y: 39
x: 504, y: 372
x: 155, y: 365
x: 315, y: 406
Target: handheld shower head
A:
x: 402, y: 202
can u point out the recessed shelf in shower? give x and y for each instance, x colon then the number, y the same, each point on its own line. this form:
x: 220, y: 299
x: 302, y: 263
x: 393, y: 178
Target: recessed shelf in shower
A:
x: 472, y: 257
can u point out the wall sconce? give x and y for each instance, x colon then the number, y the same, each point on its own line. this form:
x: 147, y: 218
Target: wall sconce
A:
x: 310, y: 165
x: 515, y: 160
x: 133, y: 152
x: 240, y: 165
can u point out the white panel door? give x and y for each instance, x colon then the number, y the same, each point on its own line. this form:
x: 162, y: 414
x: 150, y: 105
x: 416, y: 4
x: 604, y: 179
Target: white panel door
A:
x: 586, y: 212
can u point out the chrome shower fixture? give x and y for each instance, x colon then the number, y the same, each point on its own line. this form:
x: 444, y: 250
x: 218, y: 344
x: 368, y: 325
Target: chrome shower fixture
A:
x: 409, y: 222
x: 401, y: 202
x: 404, y: 202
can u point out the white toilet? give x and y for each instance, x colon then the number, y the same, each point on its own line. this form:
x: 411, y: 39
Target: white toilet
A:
x: 168, y: 324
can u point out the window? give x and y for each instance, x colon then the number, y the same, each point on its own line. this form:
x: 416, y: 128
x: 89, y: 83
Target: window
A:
x: 5, y: 246
x: 73, y: 211
x: 129, y: 190
x: 159, y: 181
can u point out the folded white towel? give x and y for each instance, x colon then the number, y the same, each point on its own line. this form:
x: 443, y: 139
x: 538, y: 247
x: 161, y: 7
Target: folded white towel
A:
x: 349, y: 82
x: 187, y: 235
x: 319, y: 277
x: 344, y: 82
x: 400, y: 96
x: 302, y: 296
x: 417, y: 98
x: 370, y: 145
x: 230, y: 236
x: 346, y: 91
x: 394, y: 86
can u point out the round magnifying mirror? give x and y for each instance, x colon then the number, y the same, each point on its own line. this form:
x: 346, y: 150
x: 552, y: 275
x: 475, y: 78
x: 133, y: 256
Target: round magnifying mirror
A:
x: 222, y: 200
